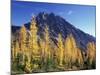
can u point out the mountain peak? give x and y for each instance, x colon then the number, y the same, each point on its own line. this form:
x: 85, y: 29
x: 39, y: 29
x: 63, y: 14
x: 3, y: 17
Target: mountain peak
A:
x: 56, y: 25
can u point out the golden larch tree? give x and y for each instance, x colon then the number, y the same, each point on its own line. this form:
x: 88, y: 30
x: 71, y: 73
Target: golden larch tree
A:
x: 79, y: 58
x: 22, y: 42
x: 69, y: 49
x: 47, y: 43
x: 23, y: 36
x: 33, y: 43
x: 60, y: 50
x: 33, y: 39
x: 72, y: 52
x: 91, y: 52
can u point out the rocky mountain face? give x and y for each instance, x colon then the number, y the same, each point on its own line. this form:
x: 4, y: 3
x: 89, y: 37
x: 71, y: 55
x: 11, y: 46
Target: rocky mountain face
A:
x: 56, y: 25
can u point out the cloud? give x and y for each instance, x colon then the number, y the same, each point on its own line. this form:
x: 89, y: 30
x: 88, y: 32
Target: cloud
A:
x: 69, y: 12
x: 61, y: 13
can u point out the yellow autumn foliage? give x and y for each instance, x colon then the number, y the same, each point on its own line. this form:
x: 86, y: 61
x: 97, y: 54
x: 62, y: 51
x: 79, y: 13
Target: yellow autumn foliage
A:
x: 23, y: 35
x: 33, y: 37
x: 64, y: 53
x: 60, y: 49
x: 72, y: 52
x: 47, y: 44
x: 91, y: 52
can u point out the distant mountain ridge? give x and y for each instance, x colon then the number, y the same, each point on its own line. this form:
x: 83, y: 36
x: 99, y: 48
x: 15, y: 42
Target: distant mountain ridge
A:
x: 56, y: 25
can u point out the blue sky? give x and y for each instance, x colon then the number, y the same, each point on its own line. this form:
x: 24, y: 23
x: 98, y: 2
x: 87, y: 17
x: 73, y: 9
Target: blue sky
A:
x: 81, y: 16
